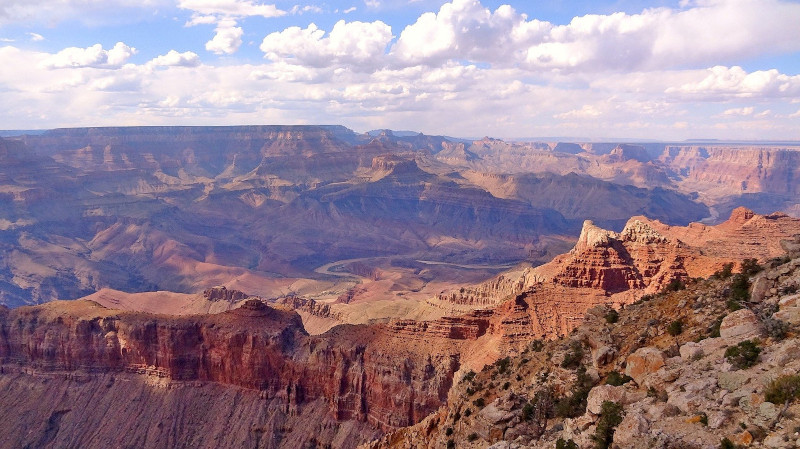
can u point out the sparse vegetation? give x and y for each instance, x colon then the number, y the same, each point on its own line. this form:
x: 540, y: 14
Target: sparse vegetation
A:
x: 612, y: 316
x: 784, y: 389
x: 616, y: 379
x: 610, y: 417
x: 451, y: 444
x: 740, y: 289
x: 472, y: 437
x: 537, y: 345
x: 503, y: 364
x: 775, y: 328
x: 744, y: 355
x: 506, y: 385
x: 750, y: 267
x: 480, y: 402
x: 714, y: 330
x: 539, y: 410
x: 468, y: 377
x: 725, y: 272
x: 565, y: 444
x: 574, y: 405
x: 704, y: 419
x: 675, y: 285
x: 448, y: 431
x: 675, y: 328
x: 574, y: 356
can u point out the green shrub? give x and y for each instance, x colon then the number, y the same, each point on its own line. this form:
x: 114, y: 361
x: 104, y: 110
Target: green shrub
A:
x: 574, y: 405
x: 537, y: 345
x: 573, y: 357
x: 527, y: 411
x: 467, y: 412
x: 783, y: 389
x: 480, y: 402
x: 740, y: 288
x: 675, y: 328
x: 744, y: 355
x: 725, y: 272
x: 568, y: 444
x: 506, y: 385
x: 704, y: 419
x: 451, y: 444
x: 775, y: 328
x: 612, y: 316
x: 674, y: 286
x: 726, y: 444
x: 610, y: 417
x: 750, y: 267
x: 448, y: 431
x: 616, y: 379
x: 472, y: 437
x: 468, y: 377
x: 733, y: 305
x: 502, y: 365
x: 714, y: 330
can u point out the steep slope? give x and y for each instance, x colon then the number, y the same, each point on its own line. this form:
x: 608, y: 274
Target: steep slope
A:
x: 680, y: 370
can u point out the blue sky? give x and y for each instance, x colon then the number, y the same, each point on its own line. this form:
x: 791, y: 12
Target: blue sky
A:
x: 726, y: 69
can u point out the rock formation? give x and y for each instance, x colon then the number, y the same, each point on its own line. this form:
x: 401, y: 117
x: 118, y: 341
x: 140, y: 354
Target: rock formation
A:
x: 639, y: 379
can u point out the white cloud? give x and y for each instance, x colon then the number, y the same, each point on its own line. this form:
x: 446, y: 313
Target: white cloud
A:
x: 231, y: 8
x: 35, y: 37
x: 297, y: 9
x: 227, y: 40
x: 94, y: 56
x: 587, y: 111
x: 358, y: 44
x: 721, y: 83
x: 739, y: 112
x: 350, y: 9
x: 713, y: 32
x: 176, y: 59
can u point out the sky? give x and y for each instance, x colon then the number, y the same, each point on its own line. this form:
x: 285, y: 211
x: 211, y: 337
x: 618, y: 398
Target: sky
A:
x: 662, y: 70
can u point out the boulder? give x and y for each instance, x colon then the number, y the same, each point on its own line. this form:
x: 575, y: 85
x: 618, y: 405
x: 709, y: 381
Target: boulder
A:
x: 760, y: 288
x: 632, y: 428
x: 603, y: 355
x: 732, y: 380
x: 691, y: 351
x: 741, y: 325
x: 602, y: 393
x: 643, y: 362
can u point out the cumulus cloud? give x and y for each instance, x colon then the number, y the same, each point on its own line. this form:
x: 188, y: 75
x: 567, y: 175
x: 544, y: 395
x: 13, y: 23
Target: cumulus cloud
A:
x: 35, y: 37
x: 94, y: 56
x: 227, y: 40
x: 722, y: 83
x: 359, y: 44
x: 176, y: 59
x: 710, y: 33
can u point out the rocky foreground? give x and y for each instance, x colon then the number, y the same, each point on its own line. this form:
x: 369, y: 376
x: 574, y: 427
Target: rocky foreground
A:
x: 714, y: 365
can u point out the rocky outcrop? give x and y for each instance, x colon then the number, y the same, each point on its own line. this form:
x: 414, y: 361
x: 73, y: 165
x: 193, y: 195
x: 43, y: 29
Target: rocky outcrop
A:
x: 222, y: 293
x: 645, y: 257
x: 535, y: 399
x: 362, y: 373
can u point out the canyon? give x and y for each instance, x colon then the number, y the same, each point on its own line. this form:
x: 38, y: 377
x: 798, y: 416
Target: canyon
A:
x: 309, y: 286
